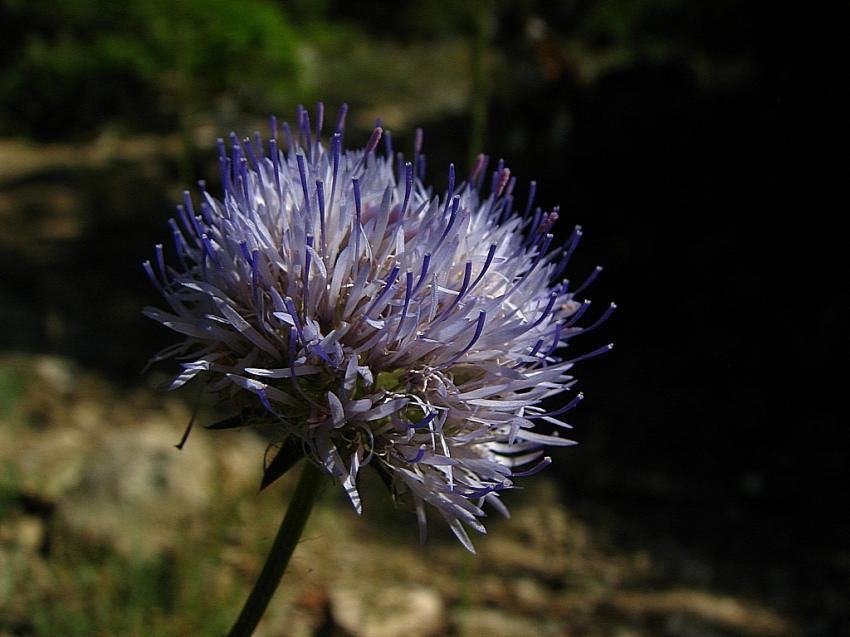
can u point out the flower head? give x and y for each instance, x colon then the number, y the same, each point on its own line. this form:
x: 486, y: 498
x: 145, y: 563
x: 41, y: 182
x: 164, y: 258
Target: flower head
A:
x: 373, y: 322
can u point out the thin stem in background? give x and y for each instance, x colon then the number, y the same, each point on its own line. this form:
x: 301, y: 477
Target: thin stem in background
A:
x: 479, y: 72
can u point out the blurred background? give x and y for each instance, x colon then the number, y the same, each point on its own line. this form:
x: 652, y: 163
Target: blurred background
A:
x: 698, y: 144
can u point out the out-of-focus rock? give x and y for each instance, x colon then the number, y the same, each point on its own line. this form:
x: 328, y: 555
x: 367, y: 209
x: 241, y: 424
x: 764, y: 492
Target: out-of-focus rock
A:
x: 390, y: 611
x: 530, y: 594
x: 534, y: 543
x: 695, y: 613
x: 239, y: 456
x: 88, y: 415
x: 25, y: 532
x: 137, y: 490
x: 492, y: 622
x: 49, y: 464
x: 56, y: 373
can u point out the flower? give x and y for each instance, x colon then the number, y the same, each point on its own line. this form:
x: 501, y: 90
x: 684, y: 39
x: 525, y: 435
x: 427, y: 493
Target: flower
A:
x: 374, y: 322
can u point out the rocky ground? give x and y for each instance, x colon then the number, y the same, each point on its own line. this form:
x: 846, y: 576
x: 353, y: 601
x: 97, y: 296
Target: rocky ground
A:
x: 107, y: 529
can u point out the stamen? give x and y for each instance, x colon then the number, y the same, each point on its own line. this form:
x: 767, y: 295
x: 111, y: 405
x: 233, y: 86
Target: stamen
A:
x: 290, y: 308
x: 605, y: 316
x: 336, y: 144
x: 258, y: 145
x: 455, y: 204
x: 532, y: 233
x: 255, y: 267
x: 249, y: 147
x: 224, y: 167
x: 408, y: 291
x: 556, y: 338
x: 426, y: 261
x: 562, y: 410
x: 393, y: 275
x: 302, y: 171
x: 149, y: 271
x: 419, y: 455
x: 408, y: 187
x: 552, y: 297
x: 275, y: 153
x: 320, y: 195
x: 590, y: 279
x: 287, y: 135
x: 497, y: 179
x: 245, y: 181
x: 255, y: 281
x: 425, y: 421
x: 578, y: 314
x: 187, y: 225
x: 264, y: 399
x: 372, y: 144
x: 545, y: 462
x: 532, y: 353
x: 340, y: 119
x: 490, y: 254
x: 450, y: 189
x: 187, y: 201
x: 206, y: 215
x: 544, y: 248
x: 208, y: 248
x: 308, y: 136
x: 482, y: 316
x: 596, y: 352
x: 246, y: 254
x: 480, y: 181
x: 467, y: 273
x: 307, y: 259
x: 399, y: 164
x: 417, y: 141
x: 476, y: 167
x: 234, y: 141
x: 292, y: 354
x: 506, y: 204
x: 179, y: 243
x: 388, y: 144
x: 574, y: 239
x: 356, y: 183
x: 549, y: 220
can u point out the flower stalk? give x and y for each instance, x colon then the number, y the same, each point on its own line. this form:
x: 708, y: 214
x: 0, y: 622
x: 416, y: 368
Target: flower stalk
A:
x: 287, y: 537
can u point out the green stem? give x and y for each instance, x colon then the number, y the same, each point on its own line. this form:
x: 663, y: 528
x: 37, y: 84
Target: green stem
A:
x: 284, y: 544
x: 479, y: 73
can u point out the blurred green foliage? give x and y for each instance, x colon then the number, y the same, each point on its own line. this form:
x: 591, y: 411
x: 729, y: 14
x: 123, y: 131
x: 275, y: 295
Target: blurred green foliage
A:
x: 12, y: 387
x: 70, y: 65
x: 108, y: 594
x: 9, y: 491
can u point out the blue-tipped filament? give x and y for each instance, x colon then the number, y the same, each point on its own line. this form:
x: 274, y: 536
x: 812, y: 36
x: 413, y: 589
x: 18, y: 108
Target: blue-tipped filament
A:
x: 388, y: 284
x: 302, y: 171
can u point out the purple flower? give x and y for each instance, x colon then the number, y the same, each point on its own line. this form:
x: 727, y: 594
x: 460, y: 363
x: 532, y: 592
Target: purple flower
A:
x: 371, y: 321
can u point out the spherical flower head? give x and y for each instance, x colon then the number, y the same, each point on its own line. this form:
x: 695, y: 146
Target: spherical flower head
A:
x: 332, y: 294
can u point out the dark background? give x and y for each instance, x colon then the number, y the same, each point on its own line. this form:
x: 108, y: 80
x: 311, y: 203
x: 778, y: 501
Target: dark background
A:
x: 702, y: 146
